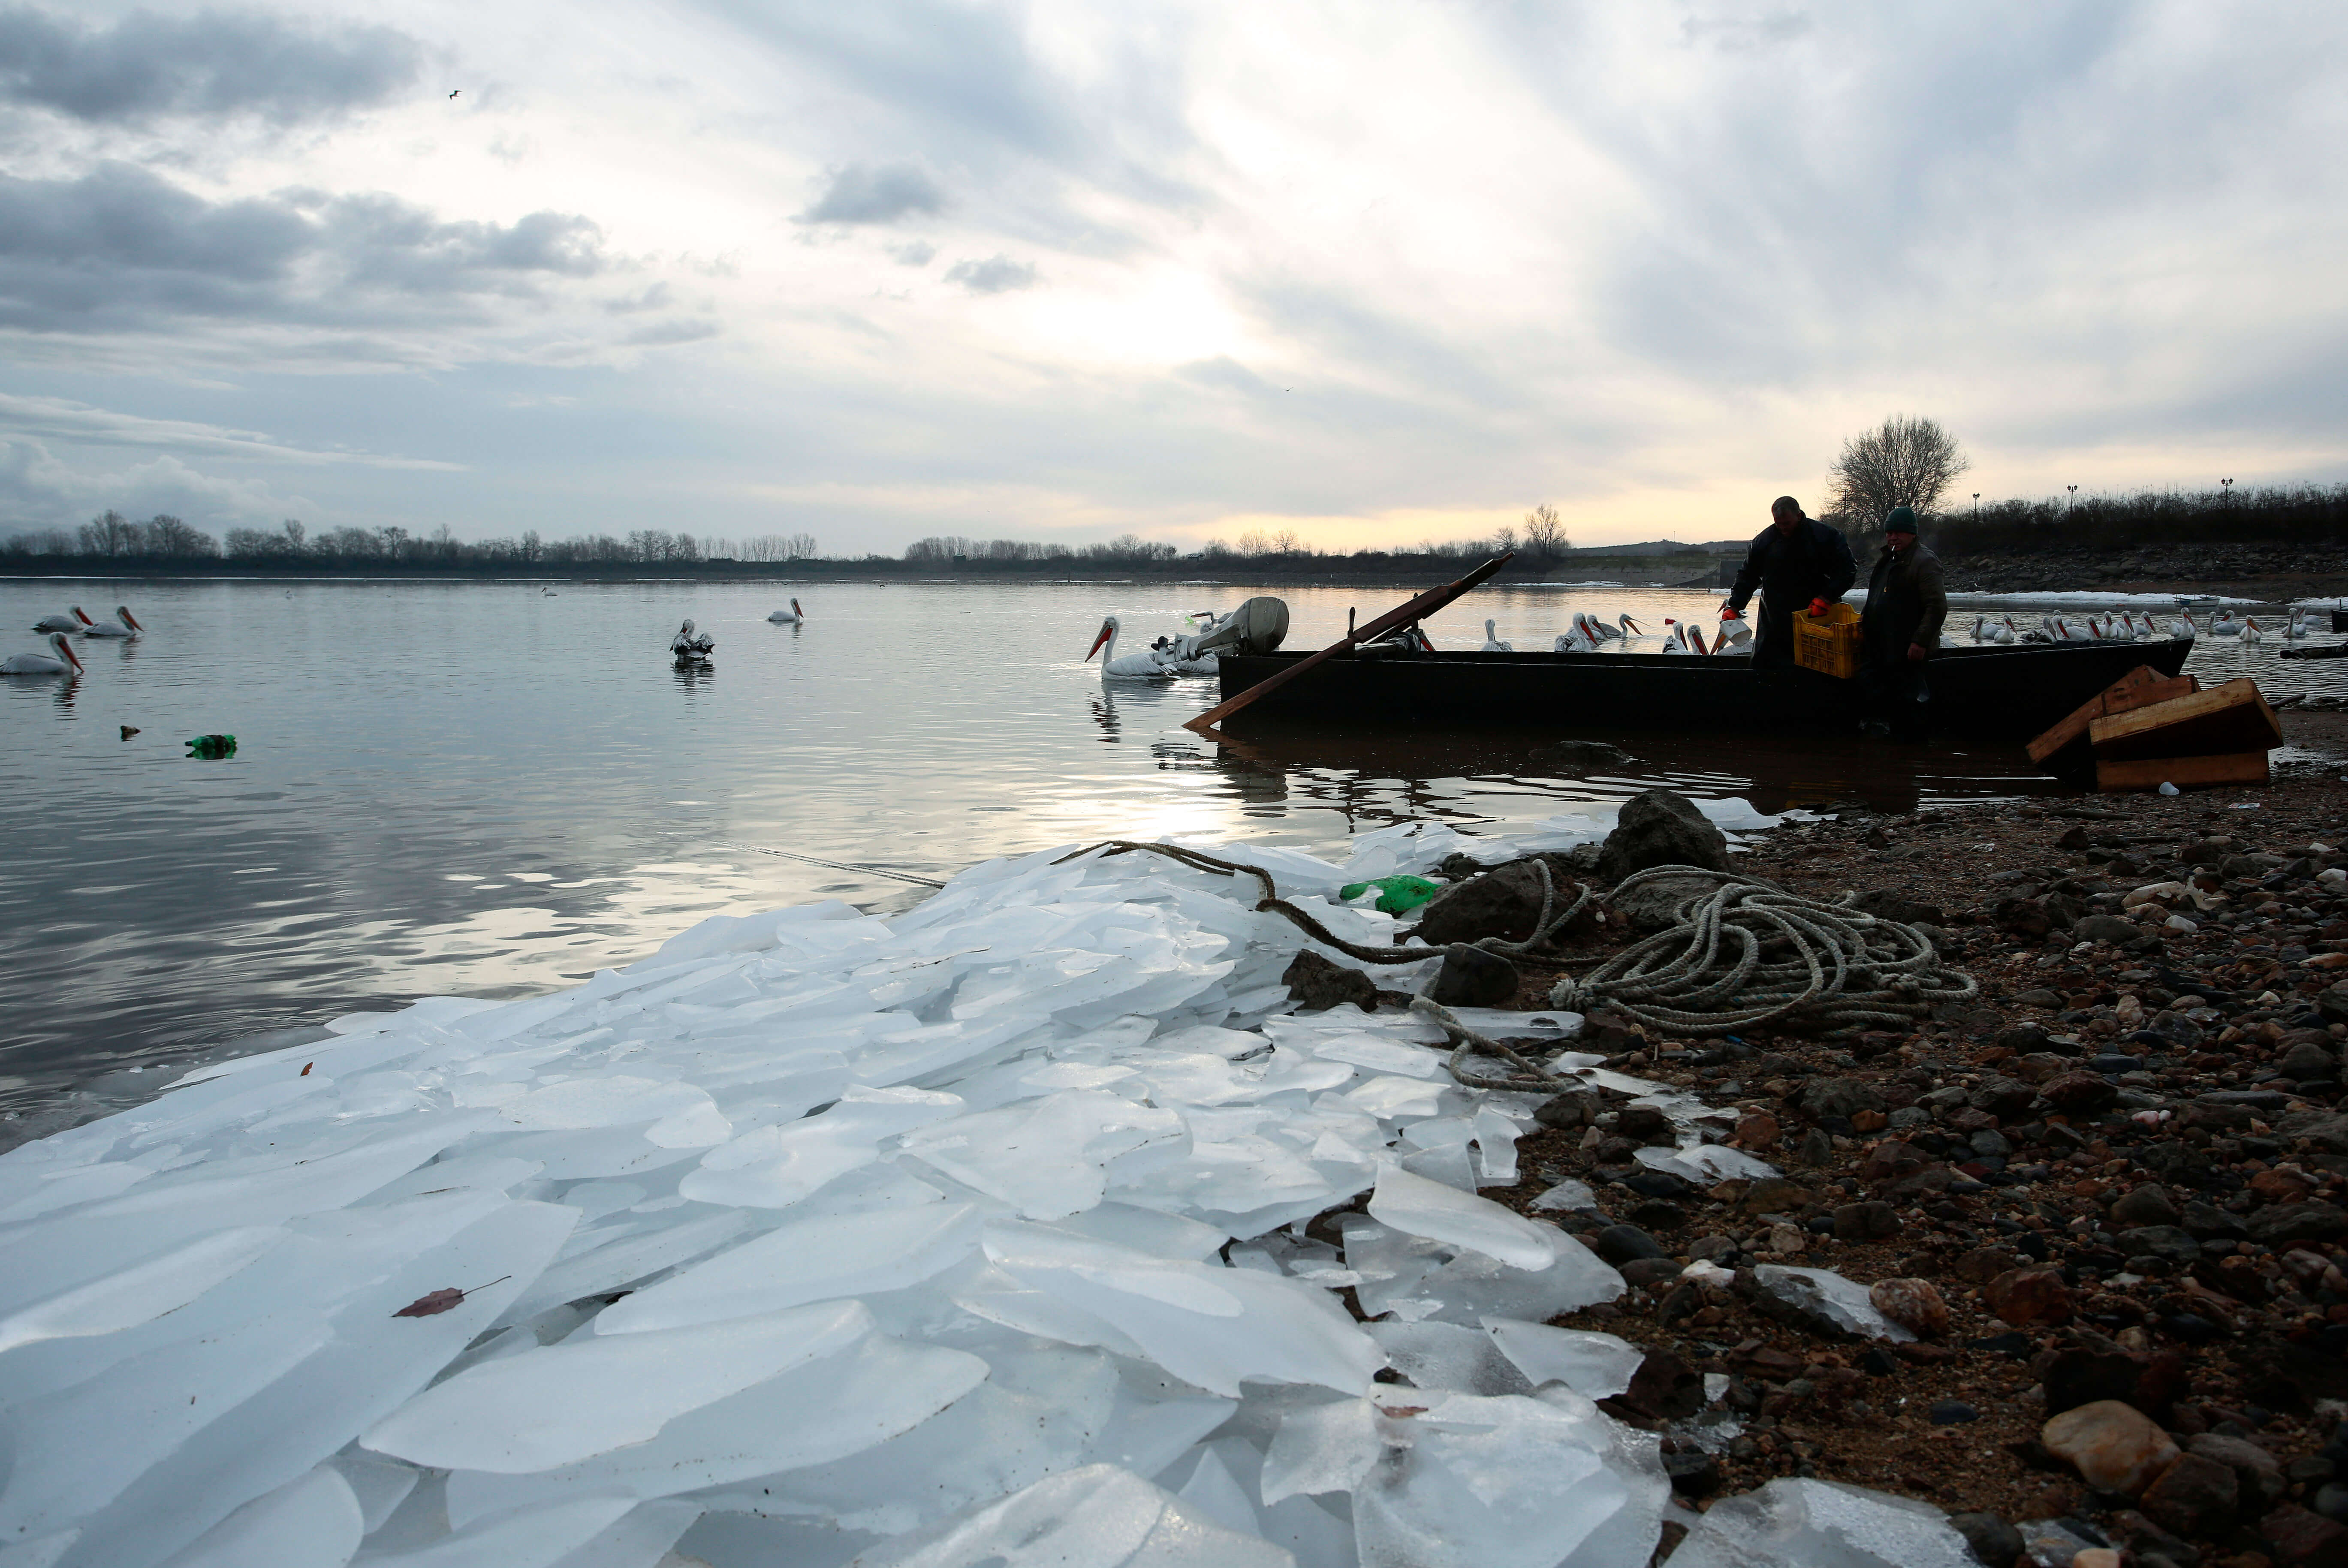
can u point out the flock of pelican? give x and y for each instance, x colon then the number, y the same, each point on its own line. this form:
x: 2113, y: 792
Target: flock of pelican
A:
x: 2126, y: 626
x: 65, y: 662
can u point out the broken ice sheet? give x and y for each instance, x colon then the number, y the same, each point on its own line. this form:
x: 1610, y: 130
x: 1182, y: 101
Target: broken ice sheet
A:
x: 1596, y: 1366
x: 1798, y: 1523
x: 1822, y: 1293
x: 1444, y: 1214
x: 1099, y: 1516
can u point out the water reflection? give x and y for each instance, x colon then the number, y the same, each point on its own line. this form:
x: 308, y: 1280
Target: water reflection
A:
x: 402, y: 819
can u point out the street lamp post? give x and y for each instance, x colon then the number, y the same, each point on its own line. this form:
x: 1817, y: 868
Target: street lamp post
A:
x: 2075, y: 498
x: 2229, y: 489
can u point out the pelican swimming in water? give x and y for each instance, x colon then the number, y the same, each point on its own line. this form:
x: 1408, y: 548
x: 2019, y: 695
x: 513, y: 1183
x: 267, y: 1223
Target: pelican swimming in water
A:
x: 2250, y: 632
x: 2182, y: 625
x: 689, y: 648
x: 1582, y: 638
x: 124, y: 624
x: 65, y: 663
x: 1492, y: 644
x: 2297, y: 626
x: 791, y: 617
x: 60, y: 623
x: 1145, y: 665
x: 2225, y: 625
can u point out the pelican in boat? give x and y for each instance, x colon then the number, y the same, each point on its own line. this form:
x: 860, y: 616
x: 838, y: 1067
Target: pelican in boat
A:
x: 2225, y: 625
x: 1145, y: 665
x: 791, y: 617
x: 124, y: 624
x: 2250, y: 632
x: 65, y: 663
x: 1492, y: 644
x: 60, y: 623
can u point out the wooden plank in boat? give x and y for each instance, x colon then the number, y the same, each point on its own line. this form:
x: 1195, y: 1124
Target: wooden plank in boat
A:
x: 2138, y: 687
x: 2185, y: 773
x: 2224, y: 720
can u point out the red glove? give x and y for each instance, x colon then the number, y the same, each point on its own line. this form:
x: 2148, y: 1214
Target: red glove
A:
x: 1728, y: 611
x: 1819, y: 607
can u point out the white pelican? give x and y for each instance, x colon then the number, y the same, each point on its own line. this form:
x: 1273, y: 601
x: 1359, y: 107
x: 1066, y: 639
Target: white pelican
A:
x: 1145, y: 665
x: 1492, y: 644
x: 2297, y: 627
x: 60, y: 623
x: 124, y: 624
x: 65, y: 663
x: 689, y: 648
x: 1608, y: 631
x: 1675, y: 640
x: 2250, y: 632
x: 2182, y: 625
x: 790, y: 616
x: 1580, y: 640
x: 2225, y: 625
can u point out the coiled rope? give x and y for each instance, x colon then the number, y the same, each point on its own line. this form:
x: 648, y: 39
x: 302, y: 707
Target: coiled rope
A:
x: 1838, y: 970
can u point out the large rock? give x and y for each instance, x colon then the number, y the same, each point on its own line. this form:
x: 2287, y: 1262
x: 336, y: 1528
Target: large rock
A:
x: 2113, y: 1447
x: 1503, y: 902
x: 1916, y: 1305
x: 2257, y: 1474
x: 2028, y: 1296
x: 2287, y: 1225
x: 1660, y: 828
x: 1471, y: 976
x: 1318, y: 985
x: 1654, y: 906
x: 2194, y: 1496
x: 2149, y: 1204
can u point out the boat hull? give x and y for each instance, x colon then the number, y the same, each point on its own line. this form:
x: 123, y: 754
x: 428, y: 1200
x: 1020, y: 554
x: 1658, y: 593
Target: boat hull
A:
x: 2009, y: 691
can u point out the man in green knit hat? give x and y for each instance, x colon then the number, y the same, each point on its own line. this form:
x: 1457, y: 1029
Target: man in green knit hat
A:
x: 1907, y: 602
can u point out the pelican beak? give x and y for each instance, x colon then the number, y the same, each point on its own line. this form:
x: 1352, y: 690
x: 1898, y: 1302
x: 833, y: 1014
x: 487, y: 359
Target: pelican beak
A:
x: 130, y: 620
x: 1635, y: 626
x: 1097, y: 642
x: 85, y: 619
x: 66, y: 649
x: 796, y: 609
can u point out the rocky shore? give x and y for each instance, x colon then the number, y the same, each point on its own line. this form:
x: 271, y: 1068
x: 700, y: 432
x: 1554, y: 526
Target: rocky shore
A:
x: 2270, y: 572
x: 2091, y: 1220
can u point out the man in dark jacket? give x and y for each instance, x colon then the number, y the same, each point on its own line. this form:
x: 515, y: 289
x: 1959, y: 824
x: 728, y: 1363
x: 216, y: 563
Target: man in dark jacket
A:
x: 1797, y: 562
x: 1906, y: 605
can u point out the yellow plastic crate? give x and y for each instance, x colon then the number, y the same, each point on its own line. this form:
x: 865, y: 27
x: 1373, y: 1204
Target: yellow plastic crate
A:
x: 1828, y: 643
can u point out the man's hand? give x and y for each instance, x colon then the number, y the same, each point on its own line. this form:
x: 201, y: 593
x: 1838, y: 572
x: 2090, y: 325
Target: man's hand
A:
x: 1915, y: 653
x: 1728, y: 610
x: 1819, y: 607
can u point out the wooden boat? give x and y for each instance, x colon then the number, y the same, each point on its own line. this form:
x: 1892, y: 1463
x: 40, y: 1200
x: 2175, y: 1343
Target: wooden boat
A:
x: 1997, y: 691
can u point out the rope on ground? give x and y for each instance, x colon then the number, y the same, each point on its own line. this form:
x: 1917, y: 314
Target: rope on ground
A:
x: 1835, y: 969
x: 1706, y: 974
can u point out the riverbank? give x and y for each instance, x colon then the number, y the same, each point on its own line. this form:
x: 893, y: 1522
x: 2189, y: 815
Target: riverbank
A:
x: 2267, y: 573
x: 2119, y: 1172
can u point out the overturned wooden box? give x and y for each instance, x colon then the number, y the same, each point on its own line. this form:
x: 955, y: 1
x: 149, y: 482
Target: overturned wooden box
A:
x: 2147, y: 730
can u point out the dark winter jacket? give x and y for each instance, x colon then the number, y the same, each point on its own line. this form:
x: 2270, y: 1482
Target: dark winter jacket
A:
x: 1791, y: 569
x: 1906, y: 603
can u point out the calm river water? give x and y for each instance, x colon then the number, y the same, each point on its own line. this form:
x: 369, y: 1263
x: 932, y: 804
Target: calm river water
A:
x: 484, y: 789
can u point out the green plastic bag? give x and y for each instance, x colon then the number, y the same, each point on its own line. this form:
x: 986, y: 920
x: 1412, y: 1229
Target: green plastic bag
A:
x: 1396, y: 895
x: 213, y: 747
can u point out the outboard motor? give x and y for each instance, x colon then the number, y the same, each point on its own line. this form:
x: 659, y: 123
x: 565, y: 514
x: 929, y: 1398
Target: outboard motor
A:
x: 1258, y: 626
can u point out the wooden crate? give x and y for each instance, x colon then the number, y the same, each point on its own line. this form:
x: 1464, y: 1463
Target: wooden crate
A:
x: 2225, y: 721
x: 2185, y: 773
x: 2063, y: 750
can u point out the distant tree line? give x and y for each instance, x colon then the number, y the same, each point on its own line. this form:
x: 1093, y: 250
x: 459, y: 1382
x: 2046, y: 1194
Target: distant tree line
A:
x: 2313, y: 515
x: 113, y: 537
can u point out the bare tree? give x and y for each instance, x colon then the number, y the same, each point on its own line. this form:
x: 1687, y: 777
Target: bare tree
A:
x: 1905, y: 463
x: 1545, y: 532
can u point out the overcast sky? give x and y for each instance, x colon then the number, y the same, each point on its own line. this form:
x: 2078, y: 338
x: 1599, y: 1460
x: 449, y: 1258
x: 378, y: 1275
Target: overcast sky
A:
x: 1374, y: 272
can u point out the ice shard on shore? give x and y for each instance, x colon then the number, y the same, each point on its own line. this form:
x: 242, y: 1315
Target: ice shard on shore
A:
x: 971, y: 1234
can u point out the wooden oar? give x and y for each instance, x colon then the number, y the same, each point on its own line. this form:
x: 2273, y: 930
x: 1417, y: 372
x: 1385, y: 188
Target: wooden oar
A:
x: 1418, y: 608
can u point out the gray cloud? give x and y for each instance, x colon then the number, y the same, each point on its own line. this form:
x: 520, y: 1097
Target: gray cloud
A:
x: 63, y: 419
x: 994, y: 275
x: 120, y: 249
x: 868, y: 193
x: 914, y: 253
x: 217, y: 64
